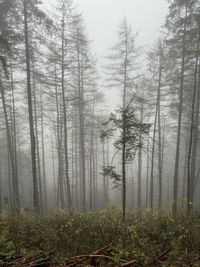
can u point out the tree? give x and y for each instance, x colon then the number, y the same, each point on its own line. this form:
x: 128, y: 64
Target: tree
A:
x: 130, y: 140
x: 122, y: 74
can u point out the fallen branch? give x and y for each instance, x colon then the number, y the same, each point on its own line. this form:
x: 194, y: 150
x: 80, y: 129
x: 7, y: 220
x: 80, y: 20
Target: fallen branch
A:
x: 163, y: 254
x: 129, y: 263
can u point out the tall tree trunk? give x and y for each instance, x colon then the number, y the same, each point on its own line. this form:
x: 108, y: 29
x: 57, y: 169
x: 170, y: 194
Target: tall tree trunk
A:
x: 152, y: 161
x: 192, y: 137
x: 41, y: 206
x: 10, y: 150
x: 104, y: 176
x: 43, y: 156
x: 60, y: 193
x: 30, y: 111
x: 185, y: 171
x: 0, y: 187
x: 14, y: 129
x: 147, y: 171
x: 178, y: 141
x: 124, y: 133
x: 194, y: 149
x: 159, y: 131
x: 81, y: 120
x: 65, y: 115
x: 140, y: 161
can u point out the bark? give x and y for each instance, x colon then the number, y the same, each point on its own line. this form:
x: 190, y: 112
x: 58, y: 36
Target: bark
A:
x: 193, y: 137
x: 0, y: 187
x: 15, y: 185
x: 159, y: 132
x: 60, y: 193
x: 43, y: 156
x: 41, y: 207
x: 147, y: 171
x: 140, y: 162
x: 178, y: 141
x: 104, y: 176
x: 14, y: 129
x: 152, y: 161
x: 65, y: 115
x: 30, y: 111
x: 81, y: 121
x: 124, y: 132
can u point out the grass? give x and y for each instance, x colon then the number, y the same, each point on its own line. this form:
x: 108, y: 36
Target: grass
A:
x: 157, y: 239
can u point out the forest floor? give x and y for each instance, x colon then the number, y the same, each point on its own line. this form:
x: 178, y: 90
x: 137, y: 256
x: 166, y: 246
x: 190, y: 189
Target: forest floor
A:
x: 70, y: 238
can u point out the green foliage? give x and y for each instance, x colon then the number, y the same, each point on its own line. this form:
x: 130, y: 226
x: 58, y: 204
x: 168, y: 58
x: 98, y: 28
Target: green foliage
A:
x: 143, y: 236
x: 125, y: 120
x: 109, y: 171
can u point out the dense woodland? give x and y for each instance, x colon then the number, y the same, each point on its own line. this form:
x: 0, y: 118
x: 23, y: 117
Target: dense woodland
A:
x: 61, y: 145
x: 64, y: 150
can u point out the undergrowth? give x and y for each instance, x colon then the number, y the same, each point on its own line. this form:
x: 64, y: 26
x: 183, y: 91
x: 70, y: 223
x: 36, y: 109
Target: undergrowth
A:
x: 154, y: 239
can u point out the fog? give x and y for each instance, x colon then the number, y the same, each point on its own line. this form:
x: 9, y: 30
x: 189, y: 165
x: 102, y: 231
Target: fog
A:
x: 99, y: 133
x: 99, y: 105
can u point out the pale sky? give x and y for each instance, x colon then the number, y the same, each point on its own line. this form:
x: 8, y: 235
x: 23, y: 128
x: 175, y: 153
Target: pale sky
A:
x: 102, y: 20
x: 103, y: 17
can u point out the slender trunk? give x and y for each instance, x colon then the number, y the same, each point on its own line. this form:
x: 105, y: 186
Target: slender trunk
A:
x: 81, y: 121
x: 152, y: 161
x: 159, y: 133
x: 10, y: 191
x: 10, y: 150
x: 178, y: 141
x: 76, y: 159
x: 65, y: 116
x: 60, y: 193
x: 43, y: 156
x: 90, y: 178
x: 37, y: 147
x: 30, y: 110
x: 14, y: 130
x: 124, y: 166
x: 192, y: 143
x: 147, y: 172
x: 0, y: 188
x: 140, y: 162
x: 54, y: 173
x: 124, y: 133
x: 185, y: 172
x: 104, y: 176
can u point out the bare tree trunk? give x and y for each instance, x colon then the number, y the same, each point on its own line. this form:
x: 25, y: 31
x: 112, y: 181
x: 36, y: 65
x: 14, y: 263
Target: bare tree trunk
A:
x: 30, y: 110
x: 185, y: 172
x: 65, y: 116
x: 81, y: 122
x: 176, y: 171
x: 104, y: 176
x: 10, y: 150
x: 10, y: 191
x: 124, y: 133
x: 14, y: 130
x: 191, y: 153
x: 152, y: 161
x: 124, y: 167
x: 147, y: 172
x: 140, y: 161
x: 0, y: 187
x: 76, y: 159
x: 60, y: 194
x: 43, y: 156
x: 90, y: 177
x: 159, y: 132
x: 54, y: 173
x: 194, y: 150
x: 41, y: 206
